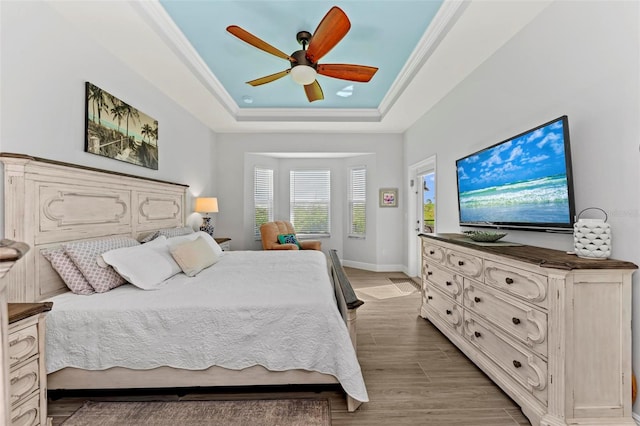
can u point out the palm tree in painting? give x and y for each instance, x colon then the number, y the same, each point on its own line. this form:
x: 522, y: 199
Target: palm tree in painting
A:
x: 99, y: 103
x: 130, y: 113
x: 118, y: 113
x: 146, y: 131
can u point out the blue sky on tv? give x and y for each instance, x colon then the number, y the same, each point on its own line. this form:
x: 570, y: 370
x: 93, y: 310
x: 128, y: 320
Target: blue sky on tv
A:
x: 534, y: 155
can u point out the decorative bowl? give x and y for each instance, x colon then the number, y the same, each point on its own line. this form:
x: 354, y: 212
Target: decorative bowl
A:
x: 484, y: 236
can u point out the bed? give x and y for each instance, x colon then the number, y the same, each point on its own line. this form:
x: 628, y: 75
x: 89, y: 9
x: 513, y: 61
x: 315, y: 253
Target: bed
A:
x: 66, y: 203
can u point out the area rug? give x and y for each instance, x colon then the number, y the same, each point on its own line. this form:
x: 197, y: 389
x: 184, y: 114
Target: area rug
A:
x: 263, y: 412
x: 381, y: 292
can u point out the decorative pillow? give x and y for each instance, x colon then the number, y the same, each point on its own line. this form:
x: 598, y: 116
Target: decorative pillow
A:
x: 191, y: 237
x: 288, y: 239
x: 85, y: 256
x: 175, y: 232
x: 68, y: 271
x: 149, y: 237
x: 146, y: 266
x: 194, y: 256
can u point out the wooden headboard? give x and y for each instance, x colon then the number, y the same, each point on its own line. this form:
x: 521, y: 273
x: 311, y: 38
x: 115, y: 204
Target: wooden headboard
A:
x: 47, y: 203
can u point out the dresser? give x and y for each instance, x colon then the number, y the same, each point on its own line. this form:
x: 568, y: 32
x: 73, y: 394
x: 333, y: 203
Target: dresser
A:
x: 551, y: 329
x: 224, y: 243
x: 27, y: 374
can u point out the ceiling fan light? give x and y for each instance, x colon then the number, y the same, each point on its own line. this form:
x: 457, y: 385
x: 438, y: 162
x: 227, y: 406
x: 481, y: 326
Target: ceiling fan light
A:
x: 303, y: 74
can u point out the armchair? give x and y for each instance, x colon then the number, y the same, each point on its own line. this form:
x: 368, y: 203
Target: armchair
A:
x: 269, y: 233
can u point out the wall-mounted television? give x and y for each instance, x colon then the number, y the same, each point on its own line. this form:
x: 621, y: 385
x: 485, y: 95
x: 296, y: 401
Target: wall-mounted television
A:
x: 523, y: 182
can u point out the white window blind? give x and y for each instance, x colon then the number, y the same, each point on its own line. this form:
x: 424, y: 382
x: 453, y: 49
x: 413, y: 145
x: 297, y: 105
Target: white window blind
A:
x: 357, y: 201
x: 262, y: 197
x: 309, y: 203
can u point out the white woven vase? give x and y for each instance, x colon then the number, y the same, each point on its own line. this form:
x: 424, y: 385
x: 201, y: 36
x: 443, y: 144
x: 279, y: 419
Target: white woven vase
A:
x: 592, y: 238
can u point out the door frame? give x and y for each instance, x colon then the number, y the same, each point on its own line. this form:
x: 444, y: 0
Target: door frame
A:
x: 413, y: 244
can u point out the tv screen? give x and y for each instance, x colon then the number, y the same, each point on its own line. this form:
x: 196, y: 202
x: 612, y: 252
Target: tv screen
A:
x: 523, y: 182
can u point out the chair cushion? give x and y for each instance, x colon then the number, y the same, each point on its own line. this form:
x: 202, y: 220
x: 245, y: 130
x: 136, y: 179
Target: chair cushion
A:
x: 288, y: 239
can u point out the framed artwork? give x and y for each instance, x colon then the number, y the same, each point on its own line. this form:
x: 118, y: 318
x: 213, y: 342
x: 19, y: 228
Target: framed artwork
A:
x: 388, y: 197
x: 117, y: 130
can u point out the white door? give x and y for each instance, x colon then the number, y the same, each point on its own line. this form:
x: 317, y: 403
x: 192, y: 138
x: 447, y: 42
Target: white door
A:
x: 422, y: 208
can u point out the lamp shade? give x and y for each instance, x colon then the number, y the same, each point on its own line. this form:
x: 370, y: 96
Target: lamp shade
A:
x: 206, y: 205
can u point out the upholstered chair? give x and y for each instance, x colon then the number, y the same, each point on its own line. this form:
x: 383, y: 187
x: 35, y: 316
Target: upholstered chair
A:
x: 269, y: 232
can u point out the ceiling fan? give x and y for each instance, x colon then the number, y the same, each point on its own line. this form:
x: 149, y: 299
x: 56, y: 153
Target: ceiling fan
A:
x: 304, y: 63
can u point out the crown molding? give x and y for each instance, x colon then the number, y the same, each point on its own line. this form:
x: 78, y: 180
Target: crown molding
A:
x: 445, y: 18
x: 315, y: 115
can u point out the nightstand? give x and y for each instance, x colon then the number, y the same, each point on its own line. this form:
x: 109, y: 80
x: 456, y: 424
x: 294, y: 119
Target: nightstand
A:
x: 224, y: 243
x: 27, y: 372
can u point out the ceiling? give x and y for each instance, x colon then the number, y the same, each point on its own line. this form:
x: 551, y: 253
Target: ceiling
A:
x: 374, y: 39
x: 423, y: 49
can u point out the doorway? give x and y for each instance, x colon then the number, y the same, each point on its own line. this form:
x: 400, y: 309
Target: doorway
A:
x: 422, y: 210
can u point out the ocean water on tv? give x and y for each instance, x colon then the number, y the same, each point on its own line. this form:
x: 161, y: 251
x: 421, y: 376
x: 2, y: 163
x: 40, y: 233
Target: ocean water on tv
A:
x: 543, y: 200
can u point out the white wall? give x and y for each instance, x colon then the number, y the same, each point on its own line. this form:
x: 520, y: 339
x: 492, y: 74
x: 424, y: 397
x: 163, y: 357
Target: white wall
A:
x: 45, y: 62
x: 576, y: 58
x: 382, y: 249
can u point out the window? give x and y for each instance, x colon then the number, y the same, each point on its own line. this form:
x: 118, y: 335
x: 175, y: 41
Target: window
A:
x: 309, y: 201
x: 357, y: 202
x: 262, y: 198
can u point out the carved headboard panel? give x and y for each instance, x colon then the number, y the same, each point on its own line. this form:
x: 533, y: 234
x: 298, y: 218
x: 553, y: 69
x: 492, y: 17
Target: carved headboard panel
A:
x: 47, y: 203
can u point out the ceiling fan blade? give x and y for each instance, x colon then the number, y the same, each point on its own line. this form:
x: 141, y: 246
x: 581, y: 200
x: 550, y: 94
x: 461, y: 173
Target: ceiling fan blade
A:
x: 330, y: 31
x: 361, y: 73
x: 247, y: 37
x: 314, y: 91
x: 268, y: 78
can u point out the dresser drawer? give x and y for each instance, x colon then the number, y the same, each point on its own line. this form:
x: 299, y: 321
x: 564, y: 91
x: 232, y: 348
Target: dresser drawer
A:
x: 445, y: 308
x: 465, y: 264
x: 23, y: 344
x: 518, y: 282
x: 433, y: 252
x: 443, y: 279
x: 529, y: 370
x: 27, y: 414
x: 527, y: 324
x: 23, y: 382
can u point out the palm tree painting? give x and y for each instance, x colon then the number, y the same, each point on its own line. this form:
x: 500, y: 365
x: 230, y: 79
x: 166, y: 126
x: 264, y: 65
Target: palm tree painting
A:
x: 117, y: 130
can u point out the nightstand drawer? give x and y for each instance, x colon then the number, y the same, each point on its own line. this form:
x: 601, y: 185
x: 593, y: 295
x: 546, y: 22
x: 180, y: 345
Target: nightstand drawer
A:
x: 23, y: 382
x: 23, y: 344
x: 27, y: 414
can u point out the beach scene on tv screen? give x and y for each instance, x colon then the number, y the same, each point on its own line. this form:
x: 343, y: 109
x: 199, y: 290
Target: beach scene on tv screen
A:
x: 523, y: 180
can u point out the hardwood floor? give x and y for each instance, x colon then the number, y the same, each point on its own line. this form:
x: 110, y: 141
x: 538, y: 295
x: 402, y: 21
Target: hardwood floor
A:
x: 414, y: 375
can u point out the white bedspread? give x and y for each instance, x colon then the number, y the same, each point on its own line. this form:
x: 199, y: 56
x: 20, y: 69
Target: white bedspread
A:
x: 269, y: 308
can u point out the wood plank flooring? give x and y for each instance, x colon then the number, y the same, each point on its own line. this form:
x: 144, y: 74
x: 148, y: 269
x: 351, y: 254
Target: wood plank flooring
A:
x: 414, y: 375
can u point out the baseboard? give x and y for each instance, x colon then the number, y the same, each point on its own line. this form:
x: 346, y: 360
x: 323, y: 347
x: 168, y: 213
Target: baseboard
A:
x: 373, y: 267
x: 636, y: 418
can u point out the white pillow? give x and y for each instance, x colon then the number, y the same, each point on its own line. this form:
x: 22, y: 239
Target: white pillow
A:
x: 194, y: 256
x: 191, y: 237
x: 146, y: 266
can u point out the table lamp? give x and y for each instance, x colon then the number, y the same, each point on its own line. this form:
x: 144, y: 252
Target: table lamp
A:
x: 207, y: 205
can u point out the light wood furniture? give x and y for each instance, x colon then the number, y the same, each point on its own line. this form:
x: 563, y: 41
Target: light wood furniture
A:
x: 27, y: 373
x: 224, y: 243
x: 10, y: 252
x: 551, y: 329
x: 49, y: 202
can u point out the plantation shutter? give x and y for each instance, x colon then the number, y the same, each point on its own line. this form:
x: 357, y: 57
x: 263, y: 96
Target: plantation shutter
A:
x: 262, y: 198
x: 310, y: 196
x: 357, y: 202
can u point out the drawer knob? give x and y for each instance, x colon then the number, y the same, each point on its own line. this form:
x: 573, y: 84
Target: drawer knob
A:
x: 508, y: 280
x: 517, y: 364
x: 515, y: 320
x: 460, y: 263
x: 430, y: 297
x: 449, y: 312
x: 477, y: 334
x: 430, y: 273
x: 448, y: 283
x: 476, y: 299
x: 432, y: 252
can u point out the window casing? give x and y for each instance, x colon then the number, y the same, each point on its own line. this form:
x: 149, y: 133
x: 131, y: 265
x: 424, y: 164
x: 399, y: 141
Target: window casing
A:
x: 310, y: 201
x: 357, y: 202
x: 262, y: 198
